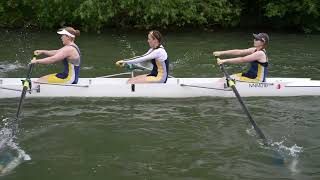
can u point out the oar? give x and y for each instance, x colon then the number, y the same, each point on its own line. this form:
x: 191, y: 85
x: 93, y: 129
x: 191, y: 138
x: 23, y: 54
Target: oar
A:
x: 26, y: 85
x: 231, y: 83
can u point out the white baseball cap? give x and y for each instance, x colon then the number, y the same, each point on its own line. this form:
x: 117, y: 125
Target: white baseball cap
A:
x: 65, y: 32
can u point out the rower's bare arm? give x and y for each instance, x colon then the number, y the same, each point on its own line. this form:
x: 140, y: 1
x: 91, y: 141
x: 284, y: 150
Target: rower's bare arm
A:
x: 59, y: 56
x: 249, y: 58
x: 46, y: 52
x: 234, y: 52
x: 51, y: 52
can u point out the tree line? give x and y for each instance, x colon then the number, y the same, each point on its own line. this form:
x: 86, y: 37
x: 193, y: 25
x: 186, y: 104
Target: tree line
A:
x: 94, y: 15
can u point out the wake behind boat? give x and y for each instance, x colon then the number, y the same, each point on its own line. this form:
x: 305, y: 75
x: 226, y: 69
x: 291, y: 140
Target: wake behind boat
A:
x: 174, y: 88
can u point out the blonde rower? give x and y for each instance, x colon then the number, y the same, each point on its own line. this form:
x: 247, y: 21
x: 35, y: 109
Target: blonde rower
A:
x: 69, y: 54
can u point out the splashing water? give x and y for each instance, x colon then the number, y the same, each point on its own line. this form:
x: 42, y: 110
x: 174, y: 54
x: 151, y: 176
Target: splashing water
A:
x: 5, y: 133
x: 292, y: 151
x: 11, y: 155
x: 127, y: 47
x: 7, y: 67
x: 290, y: 155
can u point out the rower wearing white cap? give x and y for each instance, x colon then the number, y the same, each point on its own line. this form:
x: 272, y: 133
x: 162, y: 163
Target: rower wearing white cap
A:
x: 256, y: 56
x: 69, y: 54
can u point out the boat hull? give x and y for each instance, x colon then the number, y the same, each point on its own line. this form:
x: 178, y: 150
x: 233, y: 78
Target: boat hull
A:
x: 174, y: 88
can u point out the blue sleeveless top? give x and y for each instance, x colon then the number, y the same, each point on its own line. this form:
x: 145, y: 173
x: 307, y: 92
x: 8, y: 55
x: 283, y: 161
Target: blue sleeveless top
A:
x: 71, y: 68
x: 257, y: 70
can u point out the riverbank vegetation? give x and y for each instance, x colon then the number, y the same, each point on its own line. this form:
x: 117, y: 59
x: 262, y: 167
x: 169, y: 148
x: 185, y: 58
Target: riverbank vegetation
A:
x: 94, y: 15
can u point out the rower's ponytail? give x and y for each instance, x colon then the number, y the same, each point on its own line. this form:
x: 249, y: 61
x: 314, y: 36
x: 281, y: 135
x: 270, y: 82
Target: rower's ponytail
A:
x: 73, y: 31
x: 77, y: 33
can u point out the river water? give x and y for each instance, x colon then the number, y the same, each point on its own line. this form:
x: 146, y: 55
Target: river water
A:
x: 156, y: 139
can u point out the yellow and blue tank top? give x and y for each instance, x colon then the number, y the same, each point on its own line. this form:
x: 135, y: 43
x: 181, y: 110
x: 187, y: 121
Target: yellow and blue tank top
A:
x: 71, y: 70
x: 258, y: 70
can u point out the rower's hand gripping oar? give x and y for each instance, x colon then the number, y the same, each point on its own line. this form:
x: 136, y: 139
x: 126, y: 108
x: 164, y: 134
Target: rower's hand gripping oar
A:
x: 231, y: 83
x: 26, y: 85
x: 131, y: 67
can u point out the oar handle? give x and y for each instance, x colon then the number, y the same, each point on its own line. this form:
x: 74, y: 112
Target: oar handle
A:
x: 222, y: 69
x: 27, y: 82
x: 230, y: 81
x: 34, y: 57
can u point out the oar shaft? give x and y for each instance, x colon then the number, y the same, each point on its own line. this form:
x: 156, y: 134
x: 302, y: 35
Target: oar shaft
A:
x: 30, y: 71
x: 26, y: 86
x: 23, y: 94
x: 244, y: 107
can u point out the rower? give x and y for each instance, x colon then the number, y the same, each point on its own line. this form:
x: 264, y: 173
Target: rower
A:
x: 158, y: 57
x: 256, y: 56
x: 69, y: 54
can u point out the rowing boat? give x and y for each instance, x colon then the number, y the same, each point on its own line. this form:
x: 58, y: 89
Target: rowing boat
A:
x: 174, y: 88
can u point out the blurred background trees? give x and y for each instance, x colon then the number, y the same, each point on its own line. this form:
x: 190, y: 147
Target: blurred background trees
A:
x: 94, y: 15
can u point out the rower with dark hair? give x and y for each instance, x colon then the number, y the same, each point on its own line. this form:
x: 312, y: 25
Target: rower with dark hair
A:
x: 158, y: 57
x: 256, y: 56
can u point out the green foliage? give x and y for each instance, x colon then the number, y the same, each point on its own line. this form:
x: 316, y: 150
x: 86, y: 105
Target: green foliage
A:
x: 51, y: 13
x: 302, y: 13
x: 94, y: 14
x: 223, y: 12
x: 12, y: 13
x: 97, y: 14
